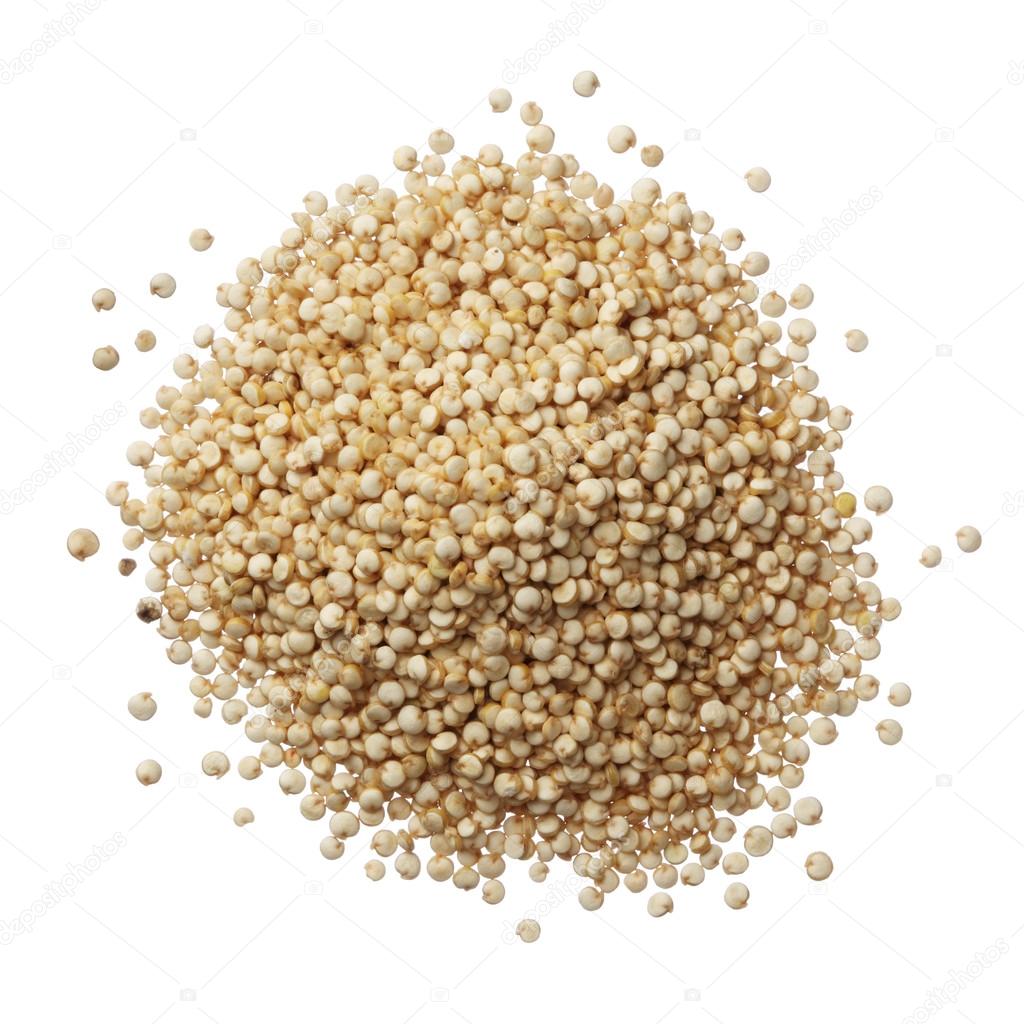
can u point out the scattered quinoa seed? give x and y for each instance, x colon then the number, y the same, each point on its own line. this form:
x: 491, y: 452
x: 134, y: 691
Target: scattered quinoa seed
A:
x: 126, y: 566
x: 899, y: 695
x: 818, y: 866
x: 968, y: 538
x: 105, y: 358
x: 528, y: 930
x: 931, y: 556
x: 103, y: 299
x: 890, y: 732
x: 500, y: 100
x: 82, y: 544
x: 660, y: 904
x: 856, y: 341
x: 652, y: 155
x: 145, y: 341
x: 736, y: 893
x: 243, y: 816
x: 142, y: 706
x: 585, y: 83
x: 758, y: 179
x: 200, y: 239
x: 162, y: 285
x: 148, y: 772
x: 620, y: 138
x: 878, y: 499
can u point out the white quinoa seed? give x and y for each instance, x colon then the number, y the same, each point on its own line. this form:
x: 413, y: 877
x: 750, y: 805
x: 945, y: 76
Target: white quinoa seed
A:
x: 105, y: 358
x: 968, y: 538
x: 200, y: 239
x: 931, y: 556
x: 736, y: 894
x: 148, y: 772
x: 651, y: 156
x: 586, y: 83
x: 500, y: 100
x: 818, y: 866
x: 890, y: 732
x: 758, y: 179
x: 878, y: 499
x: 856, y: 341
x: 162, y: 285
x: 243, y: 816
x: 528, y: 930
x: 82, y: 544
x: 142, y: 706
x: 103, y: 299
x: 620, y: 138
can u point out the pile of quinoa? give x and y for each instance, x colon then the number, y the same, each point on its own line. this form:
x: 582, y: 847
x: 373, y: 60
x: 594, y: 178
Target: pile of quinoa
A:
x: 504, y: 519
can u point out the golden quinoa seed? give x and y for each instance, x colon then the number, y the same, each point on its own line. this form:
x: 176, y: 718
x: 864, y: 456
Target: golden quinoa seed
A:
x: 931, y: 556
x: 145, y: 341
x: 82, y: 544
x: 503, y: 518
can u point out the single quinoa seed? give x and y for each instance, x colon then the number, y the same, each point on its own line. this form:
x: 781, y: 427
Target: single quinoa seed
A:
x: 145, y: 341
x: 758, y: 179
x: 200, y: 239
x: 856, y: 341
x: 968, y: 538
x: 585, y: 84
x: 148, y: 772
x: 931, y: 556
x: 105, y: 358
x: 243, y: 816
x: 103, y: 299
x: 142, y: 706
x: 500, y: 100
x: 82, y: 544
x: 528, y: 930
x: 162, y: 285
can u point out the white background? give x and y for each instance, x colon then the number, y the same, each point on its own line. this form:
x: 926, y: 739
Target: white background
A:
x: 153, y: 118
